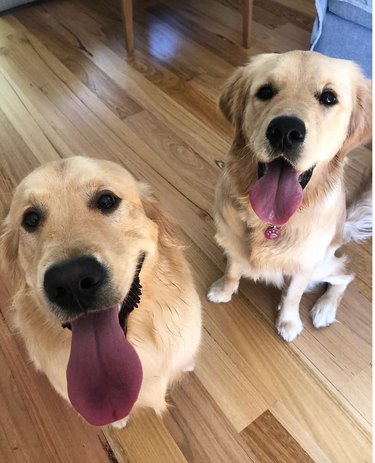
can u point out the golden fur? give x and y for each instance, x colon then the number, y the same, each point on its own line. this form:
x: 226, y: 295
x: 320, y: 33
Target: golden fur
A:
x: 165, y: 329
x: 305, y: 252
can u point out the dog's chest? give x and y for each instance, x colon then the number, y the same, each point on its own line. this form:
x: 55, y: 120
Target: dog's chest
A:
x: 289, y: 252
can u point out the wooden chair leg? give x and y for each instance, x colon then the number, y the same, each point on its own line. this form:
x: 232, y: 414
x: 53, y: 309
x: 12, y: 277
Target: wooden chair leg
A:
x: 127, y: 9
x: 247, y: 16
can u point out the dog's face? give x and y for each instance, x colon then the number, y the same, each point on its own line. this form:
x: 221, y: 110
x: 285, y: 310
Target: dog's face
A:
x: 301, y: 105
x: 296, y: 111
x: 75, y: 232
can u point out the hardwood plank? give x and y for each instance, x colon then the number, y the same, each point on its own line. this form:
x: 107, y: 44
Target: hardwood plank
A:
x: 274, y: 14
x: 16, y: 111
x: 296, y: 34
x: 144, y: 440
x: 299, y: 5
x: 272, y: 443
x: 359, y: 264
x: 223, y: 378
x: 355, y: 312
x: 180, y: 164
x: 12, y: 146
x: 202, y: 442
x: 301, y: 434
x: 358, y: 392
x: 216, y: 36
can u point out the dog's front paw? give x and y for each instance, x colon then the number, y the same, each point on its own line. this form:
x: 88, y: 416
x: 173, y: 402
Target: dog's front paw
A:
x: 289, y: 329
x: 120, y: 424
x: 190, y: 367
x: 323, y: 313
x: 220, y: 291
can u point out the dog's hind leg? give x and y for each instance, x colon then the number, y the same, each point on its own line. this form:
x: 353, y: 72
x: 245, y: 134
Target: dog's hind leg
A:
x: 324, y: 311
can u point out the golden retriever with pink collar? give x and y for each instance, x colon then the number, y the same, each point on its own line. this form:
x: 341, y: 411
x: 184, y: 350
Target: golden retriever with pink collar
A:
x: 281, y: 207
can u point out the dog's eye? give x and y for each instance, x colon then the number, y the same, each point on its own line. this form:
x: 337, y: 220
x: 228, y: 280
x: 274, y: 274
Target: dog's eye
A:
x: 266, y: 92
x: 107, y: 202
x: 328, y: 98
x: 31, y: 220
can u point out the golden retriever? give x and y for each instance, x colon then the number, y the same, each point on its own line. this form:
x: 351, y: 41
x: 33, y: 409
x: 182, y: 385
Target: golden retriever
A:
x: 280, y: 206
x: 90, y: 249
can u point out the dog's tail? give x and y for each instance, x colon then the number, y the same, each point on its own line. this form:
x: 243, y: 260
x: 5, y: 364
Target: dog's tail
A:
x: 358, y: 224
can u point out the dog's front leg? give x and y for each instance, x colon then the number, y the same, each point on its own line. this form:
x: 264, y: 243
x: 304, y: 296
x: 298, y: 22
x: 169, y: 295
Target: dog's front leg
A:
x: 223, y: 289
x: 288, y: 323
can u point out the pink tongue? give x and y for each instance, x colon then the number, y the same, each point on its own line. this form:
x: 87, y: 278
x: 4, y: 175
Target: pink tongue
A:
x: 277, y: 195
x: 104, y: 371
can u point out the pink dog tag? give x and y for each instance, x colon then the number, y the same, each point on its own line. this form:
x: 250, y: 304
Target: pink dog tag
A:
x: 272, y: 233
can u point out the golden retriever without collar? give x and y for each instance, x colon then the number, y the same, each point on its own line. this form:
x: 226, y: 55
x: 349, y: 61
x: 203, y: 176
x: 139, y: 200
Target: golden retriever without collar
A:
x: 280, y: 206
x: 78, y: 233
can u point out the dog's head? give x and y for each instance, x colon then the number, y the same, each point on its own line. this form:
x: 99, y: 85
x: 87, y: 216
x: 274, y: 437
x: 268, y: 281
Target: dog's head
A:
x: 296, y: 111
x: 75, y: 232
x: 73, y: 238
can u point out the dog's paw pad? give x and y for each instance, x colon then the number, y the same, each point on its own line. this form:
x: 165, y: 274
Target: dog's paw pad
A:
x: 120, y: 424
x: 289, y: 329
x: 323, y: 314
x: 218, y: 294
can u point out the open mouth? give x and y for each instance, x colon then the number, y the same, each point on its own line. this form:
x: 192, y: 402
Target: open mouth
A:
x: 303, y: 178
x: 278, y: 193
x: 104, y: 373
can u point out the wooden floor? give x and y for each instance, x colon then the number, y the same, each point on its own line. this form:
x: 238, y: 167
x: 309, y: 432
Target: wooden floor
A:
x: 67, y: 87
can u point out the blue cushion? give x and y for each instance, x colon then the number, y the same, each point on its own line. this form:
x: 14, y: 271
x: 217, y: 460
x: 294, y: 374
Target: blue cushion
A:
x: 357, y: 11
x: 344, y: 39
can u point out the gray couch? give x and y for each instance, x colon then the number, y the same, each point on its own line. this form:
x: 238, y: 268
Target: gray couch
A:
x: 8, y: 4
x: 343, y: 29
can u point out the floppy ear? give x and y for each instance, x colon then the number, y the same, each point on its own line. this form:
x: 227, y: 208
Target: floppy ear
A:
x: 8, y: 236
x: 233, y: 97
x: 9, y: 249
x: 360, y: 128
x: 167, y: 234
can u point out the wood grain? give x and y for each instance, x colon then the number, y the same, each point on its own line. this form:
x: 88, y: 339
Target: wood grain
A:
x: 145, y: 440
x: 358, y: 392
x: 68, y: 87
x: 190, y: 426
x: 272, y: 443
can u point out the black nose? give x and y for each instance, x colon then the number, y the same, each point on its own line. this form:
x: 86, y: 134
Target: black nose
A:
x: 74, y: 284
x: 286, y: 134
